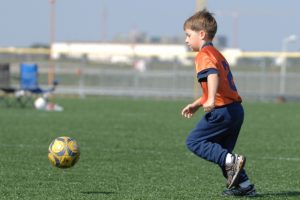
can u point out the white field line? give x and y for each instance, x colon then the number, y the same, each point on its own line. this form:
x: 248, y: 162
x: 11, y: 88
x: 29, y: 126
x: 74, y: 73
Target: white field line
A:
x: 22, y: 145
x: 281, y: 158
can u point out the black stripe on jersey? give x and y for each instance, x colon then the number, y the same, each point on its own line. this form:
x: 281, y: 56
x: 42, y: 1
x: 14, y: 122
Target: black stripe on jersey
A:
x: 202, y: 76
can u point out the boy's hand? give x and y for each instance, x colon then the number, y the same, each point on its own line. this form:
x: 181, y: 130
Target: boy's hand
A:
x: 189, y: 110
x: 209, y: 106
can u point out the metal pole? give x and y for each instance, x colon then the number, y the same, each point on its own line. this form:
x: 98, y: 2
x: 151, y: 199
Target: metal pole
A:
x: 51, y: 40
x: 263, y: 80
x: 235, y: 18
x: 200, y: 5
x: 283, y: 69
x: 83, y: 65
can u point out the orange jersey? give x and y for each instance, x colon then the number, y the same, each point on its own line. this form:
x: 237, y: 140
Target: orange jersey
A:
x: 210, y: 61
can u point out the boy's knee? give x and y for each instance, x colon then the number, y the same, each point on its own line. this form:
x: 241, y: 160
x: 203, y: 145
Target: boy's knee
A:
x: 190, y: 143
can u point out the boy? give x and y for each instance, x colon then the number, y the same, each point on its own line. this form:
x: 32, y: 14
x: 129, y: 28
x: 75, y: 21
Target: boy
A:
x: 215, y: 135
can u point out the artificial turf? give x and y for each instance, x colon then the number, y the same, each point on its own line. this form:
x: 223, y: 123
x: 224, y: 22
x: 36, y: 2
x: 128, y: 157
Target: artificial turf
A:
x: 135, y: 149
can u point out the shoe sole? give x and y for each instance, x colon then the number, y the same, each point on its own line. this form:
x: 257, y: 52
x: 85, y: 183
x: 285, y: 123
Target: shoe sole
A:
x: 248, y: 194
x: 236, y: 176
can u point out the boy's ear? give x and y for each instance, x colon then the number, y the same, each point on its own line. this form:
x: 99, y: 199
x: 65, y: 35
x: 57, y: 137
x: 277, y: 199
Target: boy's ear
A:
x: 202, y: 34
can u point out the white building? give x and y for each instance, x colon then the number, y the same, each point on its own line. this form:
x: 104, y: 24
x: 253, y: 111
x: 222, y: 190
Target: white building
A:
x: 114, y: 52
x: 127, y: 52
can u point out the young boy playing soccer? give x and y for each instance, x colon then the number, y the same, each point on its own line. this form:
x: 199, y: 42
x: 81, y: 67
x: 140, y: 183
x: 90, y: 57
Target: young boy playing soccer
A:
x: 215, y: 135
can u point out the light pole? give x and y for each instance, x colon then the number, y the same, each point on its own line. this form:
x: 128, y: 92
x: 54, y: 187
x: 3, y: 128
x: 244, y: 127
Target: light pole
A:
x: 285, y: 42
x: 51, y: 40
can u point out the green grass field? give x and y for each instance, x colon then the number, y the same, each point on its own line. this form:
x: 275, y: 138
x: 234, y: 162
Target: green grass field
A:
x: 135, y: 149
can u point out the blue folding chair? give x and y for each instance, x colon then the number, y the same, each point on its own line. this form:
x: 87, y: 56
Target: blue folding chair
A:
x: 29, y: 81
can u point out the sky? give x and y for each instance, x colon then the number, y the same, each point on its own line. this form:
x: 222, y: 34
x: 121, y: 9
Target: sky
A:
x: 256, y: 25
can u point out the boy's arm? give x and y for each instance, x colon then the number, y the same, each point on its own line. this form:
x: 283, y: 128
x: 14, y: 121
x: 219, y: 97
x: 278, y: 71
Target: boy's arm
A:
x: 208, y: 102
x: 191, y: 108
x: 213, y: 83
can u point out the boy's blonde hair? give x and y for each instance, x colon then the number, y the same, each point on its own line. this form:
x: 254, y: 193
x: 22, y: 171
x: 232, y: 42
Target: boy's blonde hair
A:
x: 202, y: 20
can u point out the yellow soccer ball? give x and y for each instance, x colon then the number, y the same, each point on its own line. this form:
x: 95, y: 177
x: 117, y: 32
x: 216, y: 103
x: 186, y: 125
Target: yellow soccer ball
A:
x: 63, y: 152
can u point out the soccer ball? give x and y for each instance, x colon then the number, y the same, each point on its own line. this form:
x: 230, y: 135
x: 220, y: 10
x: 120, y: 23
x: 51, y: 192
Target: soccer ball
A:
x: 63, y: 152
x: 40, y: 103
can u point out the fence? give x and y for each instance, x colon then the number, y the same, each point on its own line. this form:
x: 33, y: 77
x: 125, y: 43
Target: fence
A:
x: 256, y: 79
x: 176, y: 84
x: 259, y: 82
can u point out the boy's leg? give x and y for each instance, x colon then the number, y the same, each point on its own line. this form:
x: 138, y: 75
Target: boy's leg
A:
x: 207, y: 140
x: 216, y: 134
x: 201, y: 143
x: 229, y: 144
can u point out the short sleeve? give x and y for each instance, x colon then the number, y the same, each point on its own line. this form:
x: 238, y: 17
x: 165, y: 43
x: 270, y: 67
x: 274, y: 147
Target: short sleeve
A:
x: 204, y: 66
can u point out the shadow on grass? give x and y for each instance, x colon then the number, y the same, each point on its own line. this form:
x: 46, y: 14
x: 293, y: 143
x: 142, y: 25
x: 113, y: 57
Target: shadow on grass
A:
x: 280, y: 194
x: 95, y: 192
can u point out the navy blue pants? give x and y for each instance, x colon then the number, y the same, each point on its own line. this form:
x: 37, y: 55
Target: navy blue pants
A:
x: 216, y: 134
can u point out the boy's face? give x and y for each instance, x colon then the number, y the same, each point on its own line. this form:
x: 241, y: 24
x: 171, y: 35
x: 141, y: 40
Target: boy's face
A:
x: 194, y: 39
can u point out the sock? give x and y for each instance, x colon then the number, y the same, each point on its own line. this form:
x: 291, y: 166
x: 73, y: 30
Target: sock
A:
x: 229, y: 159
x: 245, y: 184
